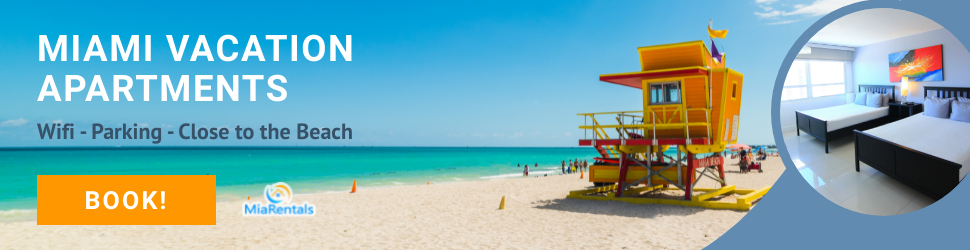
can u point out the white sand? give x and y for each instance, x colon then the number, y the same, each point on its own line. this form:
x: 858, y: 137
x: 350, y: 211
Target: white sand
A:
x: 443, y: 216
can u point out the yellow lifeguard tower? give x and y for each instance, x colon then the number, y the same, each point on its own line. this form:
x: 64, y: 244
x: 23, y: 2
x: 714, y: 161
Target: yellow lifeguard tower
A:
x: 691, y: 104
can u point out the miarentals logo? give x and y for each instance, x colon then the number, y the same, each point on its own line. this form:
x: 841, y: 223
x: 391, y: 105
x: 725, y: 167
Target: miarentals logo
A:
x: 279, y: 195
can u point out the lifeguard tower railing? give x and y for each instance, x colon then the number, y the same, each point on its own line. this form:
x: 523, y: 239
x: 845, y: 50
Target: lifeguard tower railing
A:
x: 640, y: 128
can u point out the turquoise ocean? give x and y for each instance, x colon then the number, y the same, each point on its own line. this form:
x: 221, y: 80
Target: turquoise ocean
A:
x: 243, y: 172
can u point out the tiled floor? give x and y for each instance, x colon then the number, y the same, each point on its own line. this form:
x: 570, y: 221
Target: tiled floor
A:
x: 833, y: 175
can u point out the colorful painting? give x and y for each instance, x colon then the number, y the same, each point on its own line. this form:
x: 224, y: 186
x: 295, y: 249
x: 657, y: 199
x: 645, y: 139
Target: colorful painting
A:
x: 925, y: 64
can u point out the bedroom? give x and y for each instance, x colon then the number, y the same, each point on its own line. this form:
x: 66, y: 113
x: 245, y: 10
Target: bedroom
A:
x: 852, y: 112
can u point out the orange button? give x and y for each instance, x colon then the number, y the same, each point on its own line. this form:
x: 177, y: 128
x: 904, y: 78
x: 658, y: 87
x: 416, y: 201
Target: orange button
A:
x: 126, y: 200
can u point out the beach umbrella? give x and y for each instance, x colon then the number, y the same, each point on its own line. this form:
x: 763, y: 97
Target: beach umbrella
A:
x: 738, y: 146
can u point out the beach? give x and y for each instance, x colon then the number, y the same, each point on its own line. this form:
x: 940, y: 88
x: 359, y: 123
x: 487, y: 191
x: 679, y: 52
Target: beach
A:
x: 243, y: 171
x: 458, y: 215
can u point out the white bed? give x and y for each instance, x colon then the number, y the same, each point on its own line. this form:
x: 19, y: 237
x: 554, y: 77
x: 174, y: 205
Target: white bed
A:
x: 943, y: 138
x: 847, y: 115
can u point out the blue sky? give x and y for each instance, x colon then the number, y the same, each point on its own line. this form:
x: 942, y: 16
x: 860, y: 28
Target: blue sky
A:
x: 494, y: 73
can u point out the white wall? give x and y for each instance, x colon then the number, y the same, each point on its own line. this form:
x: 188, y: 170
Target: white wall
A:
x: 872, y: 61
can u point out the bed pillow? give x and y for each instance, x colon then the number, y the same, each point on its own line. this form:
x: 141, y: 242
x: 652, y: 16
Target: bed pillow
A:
x: 963, y: 99
x: 860, y: 99
x: 884, y: 101
x: 937, y: 107
x: 874, y: 100
x: 961, y: 112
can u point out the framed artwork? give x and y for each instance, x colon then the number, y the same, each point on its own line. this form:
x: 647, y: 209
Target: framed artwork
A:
x: 923, y: 64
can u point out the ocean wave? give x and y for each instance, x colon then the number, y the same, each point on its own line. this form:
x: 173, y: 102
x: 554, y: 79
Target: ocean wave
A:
x: 501, y: 176
x: 16, y: 215
x: 513, y: 175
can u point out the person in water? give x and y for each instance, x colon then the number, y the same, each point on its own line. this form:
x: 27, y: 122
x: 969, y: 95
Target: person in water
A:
x: 526, y: 171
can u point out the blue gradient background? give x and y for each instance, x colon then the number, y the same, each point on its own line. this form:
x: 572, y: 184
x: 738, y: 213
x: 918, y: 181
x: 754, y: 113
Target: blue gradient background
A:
x: 456, y: 74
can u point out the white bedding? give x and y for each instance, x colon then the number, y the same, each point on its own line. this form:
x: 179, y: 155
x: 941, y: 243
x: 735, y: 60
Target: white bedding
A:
x: 944, y: 138
x: 847, y: 115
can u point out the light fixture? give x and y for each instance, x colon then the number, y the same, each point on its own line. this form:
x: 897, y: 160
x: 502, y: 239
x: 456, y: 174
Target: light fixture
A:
x: 905, y: 88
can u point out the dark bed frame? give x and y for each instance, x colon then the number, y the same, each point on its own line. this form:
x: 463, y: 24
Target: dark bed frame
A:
x: 819, y: 128
x: 930, y: 175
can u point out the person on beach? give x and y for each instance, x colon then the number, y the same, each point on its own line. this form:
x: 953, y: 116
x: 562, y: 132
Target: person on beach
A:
x: 585, y: 166
x: 569, y: 169
x: 563, y: 166
x: 743, y: 163
x: 526, y: 171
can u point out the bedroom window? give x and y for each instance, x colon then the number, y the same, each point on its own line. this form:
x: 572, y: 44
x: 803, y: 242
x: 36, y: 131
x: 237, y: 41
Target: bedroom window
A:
x: 814, y: 78
x: 665, y: 93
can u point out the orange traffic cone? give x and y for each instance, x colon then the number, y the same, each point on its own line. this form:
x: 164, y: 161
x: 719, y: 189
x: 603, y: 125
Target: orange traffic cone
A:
x: 501, y: 206
x: 429, y: 183
x: 580, y: 174
x: 354, y: 189
x: 247, y: 198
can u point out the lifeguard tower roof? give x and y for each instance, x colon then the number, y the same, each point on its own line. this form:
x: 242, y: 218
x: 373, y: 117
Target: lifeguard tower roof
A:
x: 666, y: 60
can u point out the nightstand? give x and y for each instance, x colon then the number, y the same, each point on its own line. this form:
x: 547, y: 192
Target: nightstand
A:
x: 901, y: 111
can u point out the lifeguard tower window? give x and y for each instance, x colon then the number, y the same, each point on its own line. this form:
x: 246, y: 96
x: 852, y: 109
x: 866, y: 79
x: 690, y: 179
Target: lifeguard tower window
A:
x: 665, y: 93
x: 734, y: 90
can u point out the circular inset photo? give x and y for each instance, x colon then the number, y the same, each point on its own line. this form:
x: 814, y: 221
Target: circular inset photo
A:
x: 875, y: 111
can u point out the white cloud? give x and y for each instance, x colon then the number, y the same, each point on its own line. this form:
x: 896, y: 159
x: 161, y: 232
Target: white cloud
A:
x: 820, y: 7
x: 58, y: 121
x: 13, y: 123
x: 816, y: 8
x: 769, y: 14
x: 783, y: 22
